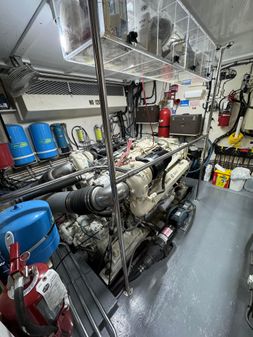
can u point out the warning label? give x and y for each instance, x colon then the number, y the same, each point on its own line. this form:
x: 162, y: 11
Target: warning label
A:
x: 52, y: 289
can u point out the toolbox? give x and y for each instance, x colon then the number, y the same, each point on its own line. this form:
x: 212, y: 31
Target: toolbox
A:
x: 186, y: 125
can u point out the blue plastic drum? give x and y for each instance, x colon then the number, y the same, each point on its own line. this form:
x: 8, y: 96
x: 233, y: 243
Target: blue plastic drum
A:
x: 20, y: 146
x: 43, y: 140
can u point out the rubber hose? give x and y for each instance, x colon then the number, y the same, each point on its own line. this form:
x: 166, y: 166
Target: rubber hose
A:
x: 57, y: 172
x: 79, y: 201
x: 89, y: 199
x: 51, y: 188
x: 24, y: 322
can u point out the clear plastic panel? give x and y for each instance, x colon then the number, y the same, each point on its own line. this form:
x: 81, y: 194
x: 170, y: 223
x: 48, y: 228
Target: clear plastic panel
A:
x: 180, y: 12
x: 196, y: 48
x: 211, y: 53
x: 163, y: 4
x: 165, y: 46
x: 121, y: 76
x: 73, y: 24
x: 111, y: 51
x: 116, y: 16
x: 164, y: 30
x: 145, y: 67
x: 201, y: 48
x: 179, y: 50
x: 127, y: 61
x: 164, y: 69
x: 154, y: 26
x: 168, y: 77
x: 205, y: 69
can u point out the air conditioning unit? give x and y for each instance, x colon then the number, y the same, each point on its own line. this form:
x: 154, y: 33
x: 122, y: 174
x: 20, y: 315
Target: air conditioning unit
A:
x: 57, y: 99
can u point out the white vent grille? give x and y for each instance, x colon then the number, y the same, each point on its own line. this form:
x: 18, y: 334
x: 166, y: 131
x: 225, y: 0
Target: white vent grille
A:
x: 54, y: 87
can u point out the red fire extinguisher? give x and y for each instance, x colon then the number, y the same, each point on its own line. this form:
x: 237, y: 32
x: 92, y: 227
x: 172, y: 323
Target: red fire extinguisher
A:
x: 35, y: 301
x: 164, y: 123
x: 225, y: 114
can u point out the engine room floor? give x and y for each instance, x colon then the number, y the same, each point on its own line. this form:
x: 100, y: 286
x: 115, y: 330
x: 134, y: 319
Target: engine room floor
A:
x: 201, y: 290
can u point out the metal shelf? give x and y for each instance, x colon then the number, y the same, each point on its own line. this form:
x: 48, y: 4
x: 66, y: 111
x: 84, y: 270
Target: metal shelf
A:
x: 171, y: 46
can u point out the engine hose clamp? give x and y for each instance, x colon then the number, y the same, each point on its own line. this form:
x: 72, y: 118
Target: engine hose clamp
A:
x: 18, y: 282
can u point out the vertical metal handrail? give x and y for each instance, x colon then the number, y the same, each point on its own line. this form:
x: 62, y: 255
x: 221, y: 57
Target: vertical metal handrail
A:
x: 98, y: 57
x: 210, y: 117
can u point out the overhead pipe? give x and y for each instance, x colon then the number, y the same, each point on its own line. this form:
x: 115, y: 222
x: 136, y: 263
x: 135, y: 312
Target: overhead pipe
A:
x: 237, y: 63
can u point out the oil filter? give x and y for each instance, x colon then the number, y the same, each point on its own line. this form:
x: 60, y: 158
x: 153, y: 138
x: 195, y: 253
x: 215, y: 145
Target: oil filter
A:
x: 98, y: 133
x: 60, y: 137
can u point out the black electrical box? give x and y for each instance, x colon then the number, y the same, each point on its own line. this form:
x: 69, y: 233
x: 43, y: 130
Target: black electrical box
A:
x: 147, y: 114
x: 186, y: 125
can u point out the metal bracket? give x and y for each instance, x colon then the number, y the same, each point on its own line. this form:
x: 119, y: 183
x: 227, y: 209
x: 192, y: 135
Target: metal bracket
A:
x: 9, y: 239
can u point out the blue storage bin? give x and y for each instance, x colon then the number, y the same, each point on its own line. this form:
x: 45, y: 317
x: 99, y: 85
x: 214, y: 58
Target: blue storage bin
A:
x: 20, y: 147
x: 43, y: 140
x: 29, y: 222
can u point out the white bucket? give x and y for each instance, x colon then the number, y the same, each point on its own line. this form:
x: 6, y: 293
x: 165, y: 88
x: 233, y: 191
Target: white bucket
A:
x: 238, y: 177
x: 249, y: 185
x: 237, y: 185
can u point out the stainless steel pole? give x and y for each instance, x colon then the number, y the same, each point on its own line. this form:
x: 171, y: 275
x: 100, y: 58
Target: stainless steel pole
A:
x: 78, y: 319
x: 210, y: 117
x: 98, y: 56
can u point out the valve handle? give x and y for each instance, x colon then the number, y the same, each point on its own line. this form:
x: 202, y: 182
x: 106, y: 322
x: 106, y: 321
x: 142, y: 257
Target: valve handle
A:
x: 17, y: 263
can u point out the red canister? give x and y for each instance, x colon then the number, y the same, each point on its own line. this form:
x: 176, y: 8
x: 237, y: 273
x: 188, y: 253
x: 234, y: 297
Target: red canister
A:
x: 164, y: 123
x: 6, y: 159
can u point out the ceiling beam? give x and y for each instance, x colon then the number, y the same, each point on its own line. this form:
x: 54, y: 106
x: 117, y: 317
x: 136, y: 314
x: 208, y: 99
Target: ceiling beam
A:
x: 28, y: 27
